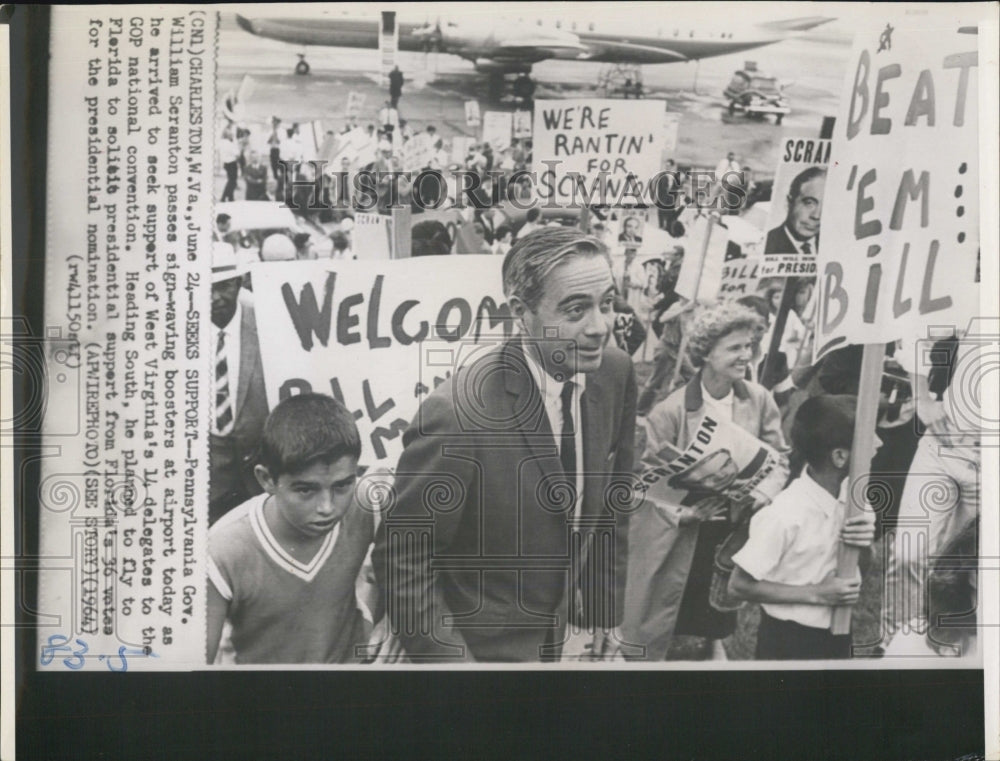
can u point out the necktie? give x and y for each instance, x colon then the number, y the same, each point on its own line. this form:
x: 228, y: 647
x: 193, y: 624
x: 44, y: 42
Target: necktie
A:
x: 806, y: 248
x: 567, y: 452
x: 223, y: 400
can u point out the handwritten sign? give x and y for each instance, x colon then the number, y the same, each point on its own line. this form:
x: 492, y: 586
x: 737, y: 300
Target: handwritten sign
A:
x: 793, y: 224
x: 597, y: 151
x: 379, y: 336
x: 700, y: 277
x: 497, y: 126
x: 900, y: 228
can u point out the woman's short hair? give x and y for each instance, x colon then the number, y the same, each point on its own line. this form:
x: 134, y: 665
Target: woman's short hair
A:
x: 713, y: 324
x: 534, y: 256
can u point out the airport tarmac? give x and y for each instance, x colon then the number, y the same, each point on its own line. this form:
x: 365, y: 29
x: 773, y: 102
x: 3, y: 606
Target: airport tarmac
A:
x: 437, y: 85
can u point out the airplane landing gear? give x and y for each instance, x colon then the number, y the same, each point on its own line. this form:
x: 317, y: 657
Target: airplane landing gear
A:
x: 302, y: 68
x: 495, y: 86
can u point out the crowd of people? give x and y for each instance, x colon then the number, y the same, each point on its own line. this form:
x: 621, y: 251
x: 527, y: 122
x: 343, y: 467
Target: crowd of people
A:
x: 610, y: 368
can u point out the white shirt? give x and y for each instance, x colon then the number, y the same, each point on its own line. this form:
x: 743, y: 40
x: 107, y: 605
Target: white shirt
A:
x: 228, y: 151
x: 232, y: 352
x: 798, y: 244
x: 794, y: 540
x: 551, y: 391
x: 724, y: 166
x: 720, y: 408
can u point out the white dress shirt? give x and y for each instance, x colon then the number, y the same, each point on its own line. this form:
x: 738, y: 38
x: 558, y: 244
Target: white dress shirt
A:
x: 718, y: 408
x: 794, y: 541
x: 551, y: 391
x: 232, y: 352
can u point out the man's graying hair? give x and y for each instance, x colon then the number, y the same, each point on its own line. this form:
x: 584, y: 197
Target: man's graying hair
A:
x: 533, y: 257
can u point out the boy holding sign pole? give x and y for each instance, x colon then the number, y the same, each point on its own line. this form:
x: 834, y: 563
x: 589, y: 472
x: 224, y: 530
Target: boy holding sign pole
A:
x: 789, y: 562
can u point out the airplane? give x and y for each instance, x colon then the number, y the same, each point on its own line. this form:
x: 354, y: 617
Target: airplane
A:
x: 498, y: 47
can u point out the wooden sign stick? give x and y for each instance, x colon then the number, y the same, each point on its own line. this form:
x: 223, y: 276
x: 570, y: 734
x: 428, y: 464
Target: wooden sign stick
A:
x: 862, y: 451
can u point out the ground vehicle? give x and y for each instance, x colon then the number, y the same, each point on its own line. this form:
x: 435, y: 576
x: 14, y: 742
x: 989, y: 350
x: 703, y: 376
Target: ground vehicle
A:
x: 756, y: 95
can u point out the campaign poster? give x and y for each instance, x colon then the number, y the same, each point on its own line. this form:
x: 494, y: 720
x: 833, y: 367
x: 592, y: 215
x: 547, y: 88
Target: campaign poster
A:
x: 901, y: 225
x: 597, y: 151
x: 522, y: 125
x: 497, y: 126
x: 722, y: 460
x: 792, y: 240
x: 377, y: 335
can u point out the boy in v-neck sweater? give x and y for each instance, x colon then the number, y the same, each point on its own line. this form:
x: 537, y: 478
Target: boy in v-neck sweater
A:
x: 283, y: 565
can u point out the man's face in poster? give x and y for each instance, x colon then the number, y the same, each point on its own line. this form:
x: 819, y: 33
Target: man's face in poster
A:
x: 805, y: 208
x: 713, y: 473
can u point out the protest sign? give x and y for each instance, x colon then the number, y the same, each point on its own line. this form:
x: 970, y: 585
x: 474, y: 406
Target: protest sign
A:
x: 379, y: 336
x: 701, y: 269
x: 671, y: 127
x: 472, y: 118
x: 595, y: 151
x: 460, y: 149
x: 372, y: 236
x: 721, y: 460
x: 901, y: 225
x: 522, y: 124
x: 497, y: 126
x: 355, y: 103
x: 792, y: 240
x: 416, y: 153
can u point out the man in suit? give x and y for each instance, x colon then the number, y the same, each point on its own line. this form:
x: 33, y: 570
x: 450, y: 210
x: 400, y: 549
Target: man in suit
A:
x: 510, y: 513
x: 799, y: 233
x: 240, y: 407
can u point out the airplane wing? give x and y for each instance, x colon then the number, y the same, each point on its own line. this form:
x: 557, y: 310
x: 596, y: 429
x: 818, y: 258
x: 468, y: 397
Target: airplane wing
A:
x: 796, y: 24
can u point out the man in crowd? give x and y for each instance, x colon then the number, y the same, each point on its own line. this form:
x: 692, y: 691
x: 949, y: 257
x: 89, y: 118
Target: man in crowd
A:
x: 238, y: 381
x: 395, y: 86
x: 799, y: 233
x: 511, y: 463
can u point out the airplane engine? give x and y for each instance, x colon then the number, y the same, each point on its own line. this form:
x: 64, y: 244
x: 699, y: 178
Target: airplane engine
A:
x: 488, y: 66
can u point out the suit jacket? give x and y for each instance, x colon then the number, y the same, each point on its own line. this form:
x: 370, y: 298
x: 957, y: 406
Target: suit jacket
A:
x: 660, y: 551
x: 477, y: 557
x: 232, y: 457
x: 779, y: 242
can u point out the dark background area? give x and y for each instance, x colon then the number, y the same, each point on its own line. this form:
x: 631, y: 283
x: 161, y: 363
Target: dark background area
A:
x: 842, y: 714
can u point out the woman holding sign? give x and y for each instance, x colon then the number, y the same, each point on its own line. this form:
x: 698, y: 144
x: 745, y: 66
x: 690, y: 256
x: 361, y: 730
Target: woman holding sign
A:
x: 672, y: 546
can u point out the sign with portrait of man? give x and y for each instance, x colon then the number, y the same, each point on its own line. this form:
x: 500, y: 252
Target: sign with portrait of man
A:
x: 792, y: 239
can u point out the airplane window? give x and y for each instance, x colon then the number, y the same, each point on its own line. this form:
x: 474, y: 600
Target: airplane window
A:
x: 590, y: 26
x: 559, y: 25
x: 691, y: 33
x: 574, y: 26
x: 676, y: 32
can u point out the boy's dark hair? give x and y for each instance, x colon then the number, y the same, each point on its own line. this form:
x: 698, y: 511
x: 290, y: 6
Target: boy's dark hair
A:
x: 822, y: 424
x: 756, y: 303
x: 221, y: 219
x: 305, y: 429
x: 534, y: 214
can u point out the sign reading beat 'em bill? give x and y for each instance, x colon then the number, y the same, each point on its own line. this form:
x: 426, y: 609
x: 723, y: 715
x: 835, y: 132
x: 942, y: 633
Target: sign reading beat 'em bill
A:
x: 590, y: 151
x: 900, y: 226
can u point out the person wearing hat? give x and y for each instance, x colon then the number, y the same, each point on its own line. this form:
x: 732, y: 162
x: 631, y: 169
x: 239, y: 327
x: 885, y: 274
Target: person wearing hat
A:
x: 240, y: 401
